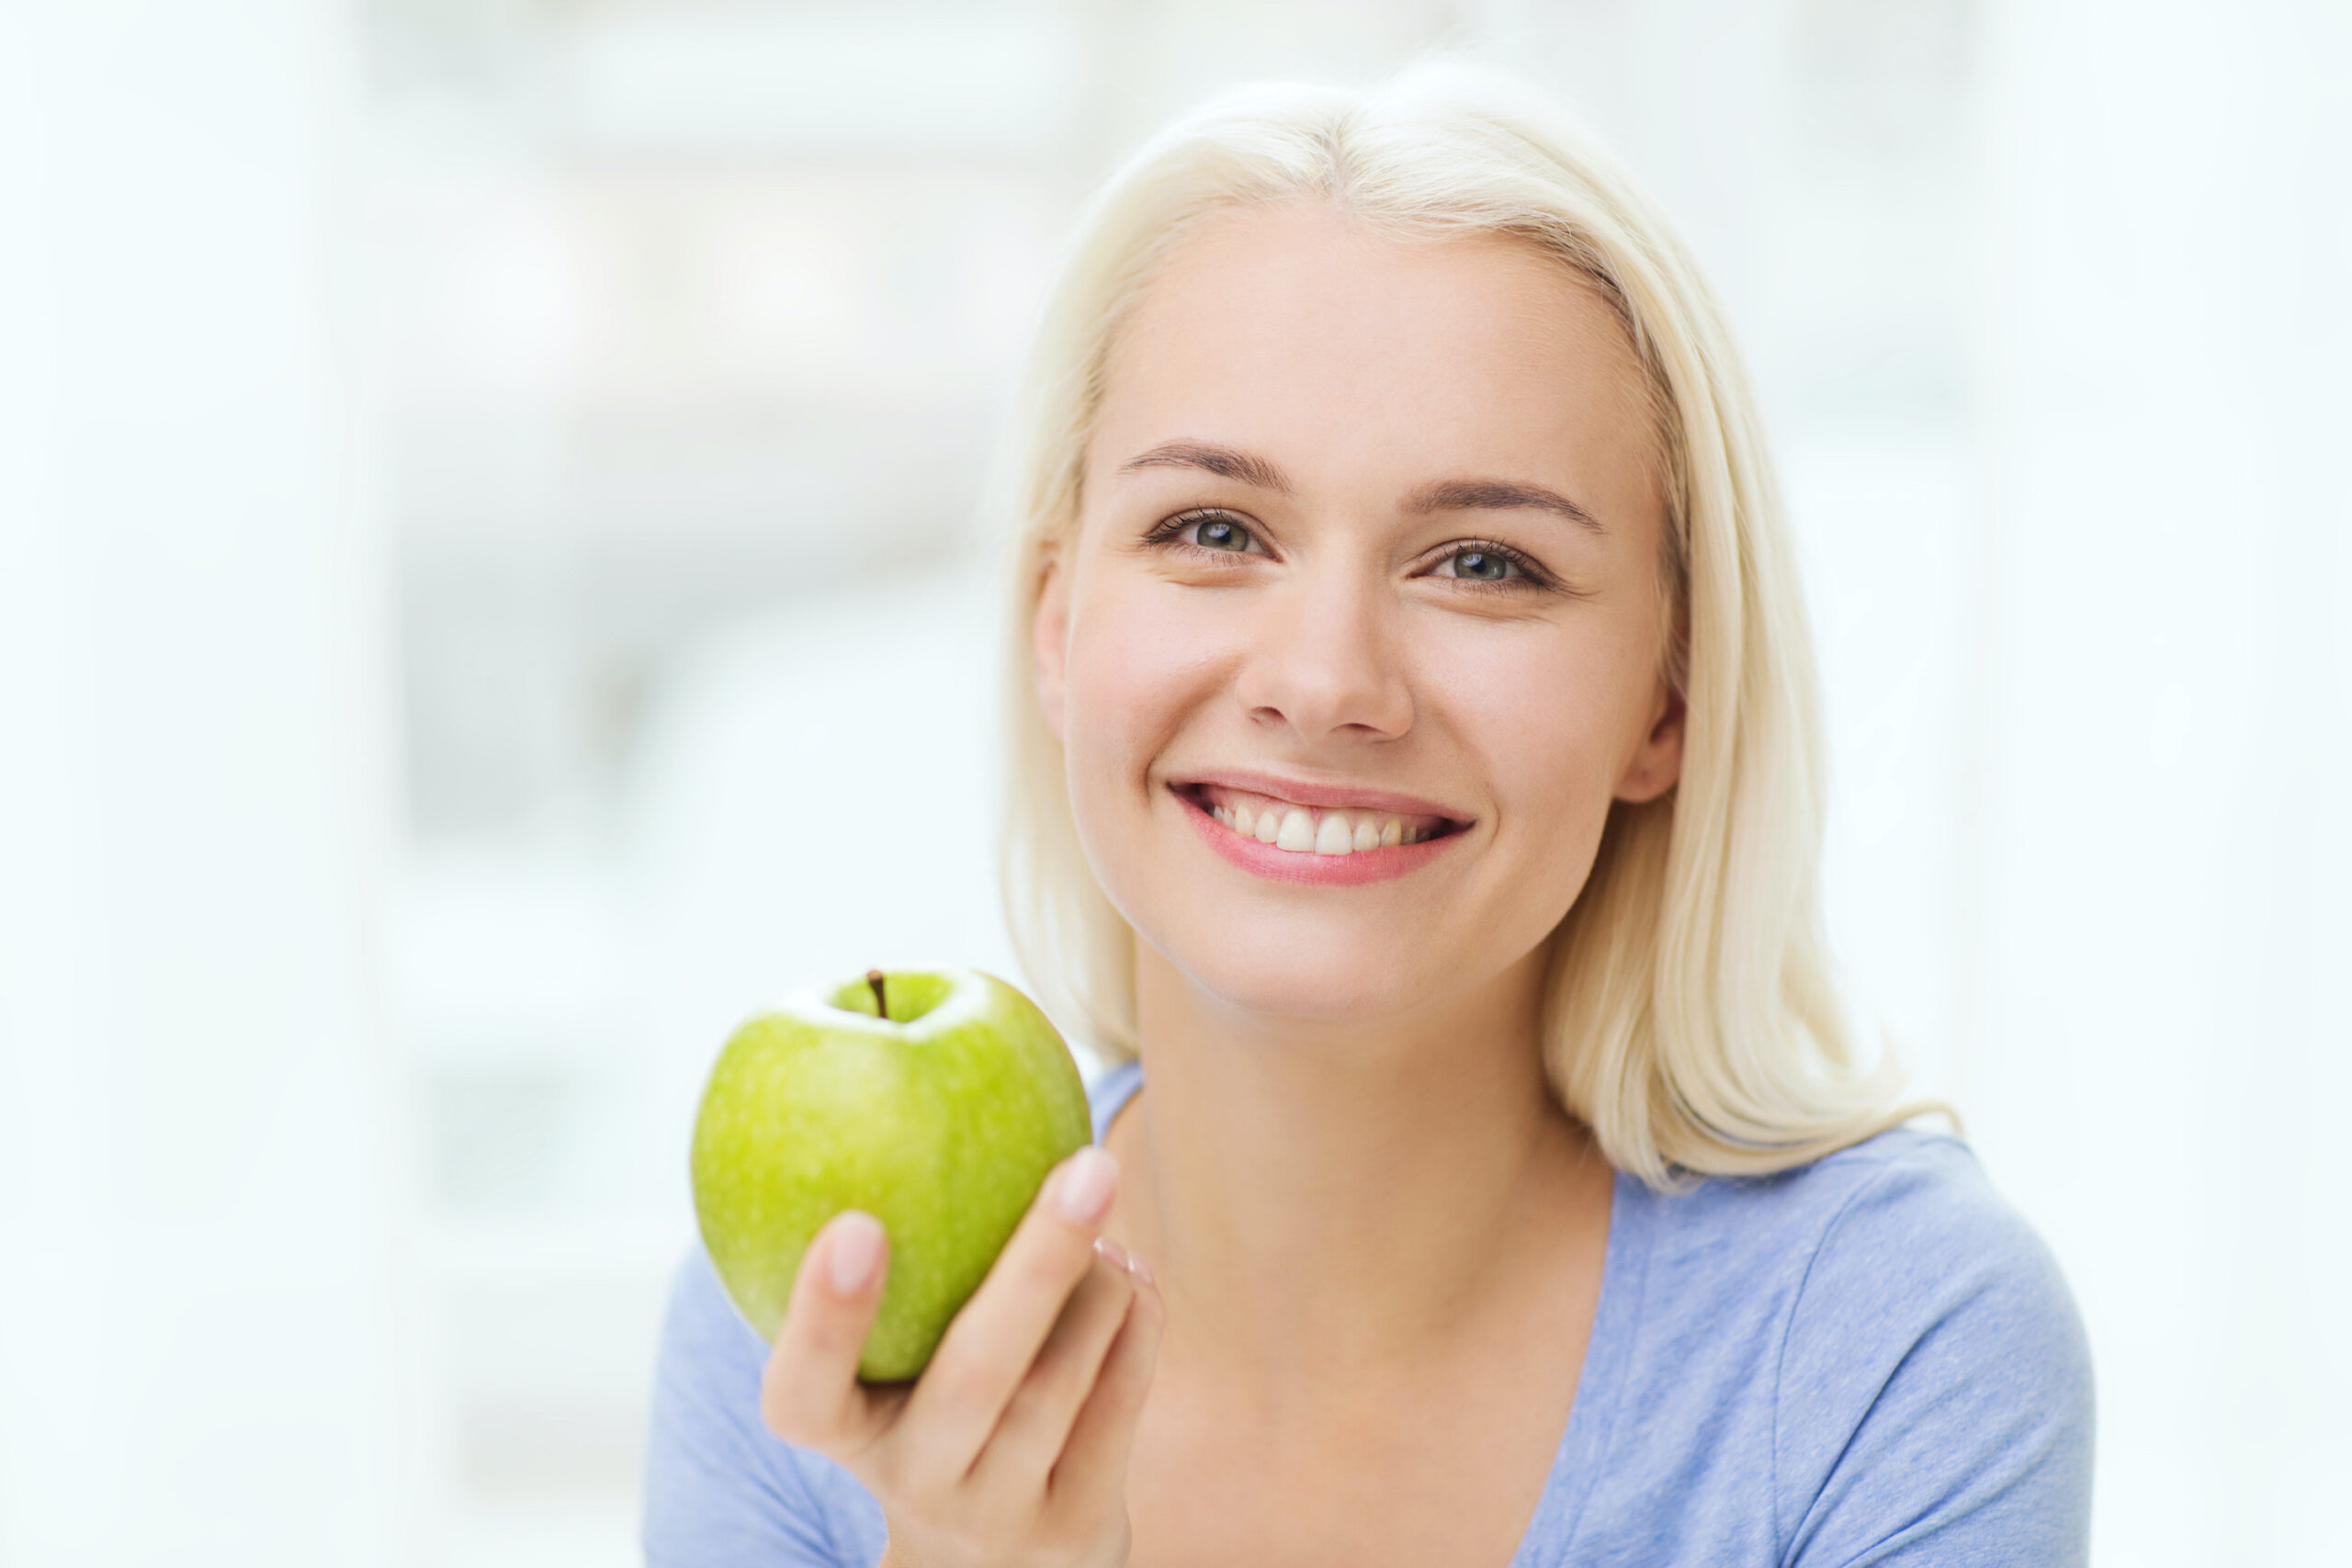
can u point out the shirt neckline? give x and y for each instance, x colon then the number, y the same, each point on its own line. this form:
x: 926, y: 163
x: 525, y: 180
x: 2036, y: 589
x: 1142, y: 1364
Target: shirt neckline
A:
x: 1616, y: 1317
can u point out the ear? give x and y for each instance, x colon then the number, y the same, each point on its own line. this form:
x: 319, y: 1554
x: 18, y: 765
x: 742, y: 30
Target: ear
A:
x: 1049, y: 644
x: 1657, y: 764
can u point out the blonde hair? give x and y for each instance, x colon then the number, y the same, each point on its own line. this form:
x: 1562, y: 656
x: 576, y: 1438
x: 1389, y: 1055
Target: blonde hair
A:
x: 1689, y: 1015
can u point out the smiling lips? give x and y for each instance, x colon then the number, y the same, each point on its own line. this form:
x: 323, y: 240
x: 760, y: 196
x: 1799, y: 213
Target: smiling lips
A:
x: 1295, y: 841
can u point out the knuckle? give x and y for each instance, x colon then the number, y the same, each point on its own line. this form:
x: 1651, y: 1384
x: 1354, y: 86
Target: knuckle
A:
x: 1023, y: 1408
x: 805, y: 1345
x: 960, y: 1382
x: 1051, y: 1268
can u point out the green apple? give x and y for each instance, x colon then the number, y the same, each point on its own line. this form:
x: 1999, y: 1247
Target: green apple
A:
x: 935, y: 1101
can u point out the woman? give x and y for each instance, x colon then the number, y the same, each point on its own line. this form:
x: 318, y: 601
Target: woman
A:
x: 1415, y: 781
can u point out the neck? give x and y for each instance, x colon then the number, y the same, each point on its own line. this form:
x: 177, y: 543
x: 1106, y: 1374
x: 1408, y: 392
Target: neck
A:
x: 1328, y: 1200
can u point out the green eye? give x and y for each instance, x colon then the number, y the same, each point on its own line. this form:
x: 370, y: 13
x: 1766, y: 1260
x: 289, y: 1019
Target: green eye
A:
x: 1220, y: 534
x: 1484, y: 565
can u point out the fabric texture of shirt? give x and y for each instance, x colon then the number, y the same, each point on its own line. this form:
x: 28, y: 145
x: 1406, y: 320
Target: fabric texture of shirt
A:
x: 1869, y: 1361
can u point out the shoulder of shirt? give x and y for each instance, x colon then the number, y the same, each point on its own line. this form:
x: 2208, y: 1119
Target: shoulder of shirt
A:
x: 1916, y: 1296
x: 1929, y: 1178
x: 1895, y: 1237
x: 1922, y: 1203
x: 1872, y: 1233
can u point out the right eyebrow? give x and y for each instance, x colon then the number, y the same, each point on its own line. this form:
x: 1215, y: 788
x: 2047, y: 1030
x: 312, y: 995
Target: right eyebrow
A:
x: 1225, y: 462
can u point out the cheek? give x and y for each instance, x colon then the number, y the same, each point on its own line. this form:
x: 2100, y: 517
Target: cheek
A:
x: 1140, y: 662
x: 1144, y: 665
x: 1545, y: 716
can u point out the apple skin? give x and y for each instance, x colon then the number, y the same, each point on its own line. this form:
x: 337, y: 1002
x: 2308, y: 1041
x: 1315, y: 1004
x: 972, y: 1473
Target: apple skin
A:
x: 941, y: 1122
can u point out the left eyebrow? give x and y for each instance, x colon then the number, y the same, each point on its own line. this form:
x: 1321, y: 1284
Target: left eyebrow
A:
x: 1479, y: 495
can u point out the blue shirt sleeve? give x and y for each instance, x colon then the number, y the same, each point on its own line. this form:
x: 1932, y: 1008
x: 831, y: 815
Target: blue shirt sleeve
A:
x: 1934, y: 1402
x: 721, y: 1491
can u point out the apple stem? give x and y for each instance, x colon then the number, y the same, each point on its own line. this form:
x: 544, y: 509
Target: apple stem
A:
x: 881, y: 1007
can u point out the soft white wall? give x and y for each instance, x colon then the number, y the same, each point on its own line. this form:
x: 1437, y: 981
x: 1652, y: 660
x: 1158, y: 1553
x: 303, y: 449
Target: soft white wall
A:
x: 197, y: 1351
x: 2162, y: 1045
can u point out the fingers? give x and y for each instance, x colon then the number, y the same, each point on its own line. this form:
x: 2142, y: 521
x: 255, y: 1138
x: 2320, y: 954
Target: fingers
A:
x: 809, y: 1393
x: 1036, y: 1422
x: 990, y: 1345
x: 1092, y: 1470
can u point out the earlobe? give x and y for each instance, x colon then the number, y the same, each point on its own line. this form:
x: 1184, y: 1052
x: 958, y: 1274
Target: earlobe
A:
x: 1657, y: 764
x: 1049, y: 645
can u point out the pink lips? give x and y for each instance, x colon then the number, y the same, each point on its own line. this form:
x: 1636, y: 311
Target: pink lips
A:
x: 1300, y: 792
x: 1354, y: 870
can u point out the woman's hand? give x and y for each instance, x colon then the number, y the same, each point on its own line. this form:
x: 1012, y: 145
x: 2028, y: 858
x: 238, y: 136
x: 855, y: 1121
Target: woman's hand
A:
x: 1012, y: 1447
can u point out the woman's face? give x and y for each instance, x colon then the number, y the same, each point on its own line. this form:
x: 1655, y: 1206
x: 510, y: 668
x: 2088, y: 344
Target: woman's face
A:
x: 1360, y: 632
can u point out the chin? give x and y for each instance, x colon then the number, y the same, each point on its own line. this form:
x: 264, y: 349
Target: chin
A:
x: 1328, y: 997
x: 1286, y: 968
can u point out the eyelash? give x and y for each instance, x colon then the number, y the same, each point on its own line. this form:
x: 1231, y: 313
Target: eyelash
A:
x: 1169, y: 533
x: 1530, y: 574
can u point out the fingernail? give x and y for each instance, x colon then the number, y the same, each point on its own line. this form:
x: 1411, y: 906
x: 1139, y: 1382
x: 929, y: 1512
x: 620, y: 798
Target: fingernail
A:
x: 853, y: 1254
x: 1111, y: 1251
x: 1088, y: 1181
x: 1141, y: 1270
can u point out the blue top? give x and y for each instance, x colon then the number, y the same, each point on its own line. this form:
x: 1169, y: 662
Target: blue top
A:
x: 1869, y: 1360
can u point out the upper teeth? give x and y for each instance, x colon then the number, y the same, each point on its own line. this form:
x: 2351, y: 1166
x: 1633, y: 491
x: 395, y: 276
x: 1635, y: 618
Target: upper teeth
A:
x: 1300, y: 831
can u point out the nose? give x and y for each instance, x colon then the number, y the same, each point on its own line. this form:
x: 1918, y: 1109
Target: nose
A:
x: 1325, y: 661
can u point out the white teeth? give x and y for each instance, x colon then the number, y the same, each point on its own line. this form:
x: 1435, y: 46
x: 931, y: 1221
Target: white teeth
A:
x: 1295, y: 829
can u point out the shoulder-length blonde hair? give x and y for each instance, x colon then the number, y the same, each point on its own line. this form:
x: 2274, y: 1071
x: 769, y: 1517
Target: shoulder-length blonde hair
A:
x: 1689, y: 1017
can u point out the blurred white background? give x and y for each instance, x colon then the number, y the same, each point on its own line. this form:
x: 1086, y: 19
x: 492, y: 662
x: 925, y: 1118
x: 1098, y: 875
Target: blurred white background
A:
x: 489, y: 598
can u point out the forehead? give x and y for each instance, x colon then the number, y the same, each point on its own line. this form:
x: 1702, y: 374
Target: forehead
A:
x: 1353, y: 358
